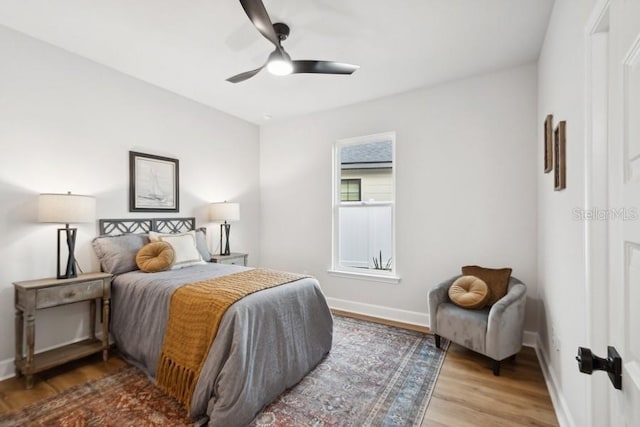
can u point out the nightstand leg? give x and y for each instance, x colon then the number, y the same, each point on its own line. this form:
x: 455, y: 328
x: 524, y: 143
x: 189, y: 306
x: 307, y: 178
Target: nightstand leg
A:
x: 31, y: 340
x: 19, y: 341
x: 105, y: 329
x: 92, y: 319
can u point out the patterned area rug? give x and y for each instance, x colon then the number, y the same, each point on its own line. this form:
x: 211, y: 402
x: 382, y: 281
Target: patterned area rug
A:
x: 125, y: 398
x: 375, y: 375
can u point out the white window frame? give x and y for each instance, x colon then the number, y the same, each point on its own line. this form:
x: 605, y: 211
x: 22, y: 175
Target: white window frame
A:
x: 352, y: 272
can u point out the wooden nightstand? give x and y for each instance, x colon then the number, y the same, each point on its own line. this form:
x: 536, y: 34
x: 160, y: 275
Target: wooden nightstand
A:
x: 235, y: 258
x: 33, y: 295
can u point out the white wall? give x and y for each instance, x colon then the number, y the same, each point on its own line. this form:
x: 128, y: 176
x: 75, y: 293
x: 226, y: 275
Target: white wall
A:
x: 466, y: 188
x: 561, y: 241
x: 67, y: 123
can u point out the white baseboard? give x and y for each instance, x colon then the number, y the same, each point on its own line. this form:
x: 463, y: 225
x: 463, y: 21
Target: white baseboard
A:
x: 557, y: 398
x: 530, y: 339
x: 7, y: 368
x: 388, y: 313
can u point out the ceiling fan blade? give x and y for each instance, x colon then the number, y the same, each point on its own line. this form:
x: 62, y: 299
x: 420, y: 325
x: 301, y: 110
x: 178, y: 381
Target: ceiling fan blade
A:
x: 323, y: 67
x: 260, y: 18
x: 244, y: 76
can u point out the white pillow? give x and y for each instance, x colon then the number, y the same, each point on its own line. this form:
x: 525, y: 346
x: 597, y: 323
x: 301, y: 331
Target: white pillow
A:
x: 154, y: 236
x: 201, y: 240
x: 184, y: 246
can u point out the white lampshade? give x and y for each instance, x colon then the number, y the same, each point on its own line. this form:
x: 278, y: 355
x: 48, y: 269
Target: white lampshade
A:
x: 224, y: 211
x: 66, y: 208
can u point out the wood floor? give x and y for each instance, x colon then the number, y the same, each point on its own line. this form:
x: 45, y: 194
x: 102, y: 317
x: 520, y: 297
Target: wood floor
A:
x: 13, y: 394
x: 466, y: 393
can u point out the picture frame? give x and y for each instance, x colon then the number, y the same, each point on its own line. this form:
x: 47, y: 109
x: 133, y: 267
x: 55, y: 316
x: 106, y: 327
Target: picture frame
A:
x: 559, y: 151
x: 548, y: 143
x: 153, y: 183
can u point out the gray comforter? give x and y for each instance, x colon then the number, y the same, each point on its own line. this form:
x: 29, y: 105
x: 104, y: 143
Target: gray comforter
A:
x: 265, y: 344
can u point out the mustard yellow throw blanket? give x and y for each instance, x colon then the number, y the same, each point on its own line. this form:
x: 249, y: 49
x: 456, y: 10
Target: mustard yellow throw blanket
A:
x: 195, y: 312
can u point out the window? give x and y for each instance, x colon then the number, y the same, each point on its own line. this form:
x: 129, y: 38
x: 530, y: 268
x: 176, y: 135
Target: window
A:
x: 350, y: 190
x: 363, y: 207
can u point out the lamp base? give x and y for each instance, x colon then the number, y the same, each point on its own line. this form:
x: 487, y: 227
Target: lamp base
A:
x: 225, y: 229
x: 70, y: 269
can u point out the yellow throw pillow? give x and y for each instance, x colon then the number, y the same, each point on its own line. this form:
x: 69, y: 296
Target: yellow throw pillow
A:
x: 469, y: 292
x: 155, y: 256
x: 497, y: 279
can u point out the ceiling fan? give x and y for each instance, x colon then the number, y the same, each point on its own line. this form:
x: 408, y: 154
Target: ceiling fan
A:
x: 279, y: 61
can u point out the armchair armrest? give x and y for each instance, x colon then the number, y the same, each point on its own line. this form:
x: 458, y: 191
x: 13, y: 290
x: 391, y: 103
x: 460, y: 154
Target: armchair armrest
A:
x: 506, y: 322
x: 437, y: 295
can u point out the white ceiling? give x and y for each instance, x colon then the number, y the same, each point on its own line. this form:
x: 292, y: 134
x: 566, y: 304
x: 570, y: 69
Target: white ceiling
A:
x: 190, y: 47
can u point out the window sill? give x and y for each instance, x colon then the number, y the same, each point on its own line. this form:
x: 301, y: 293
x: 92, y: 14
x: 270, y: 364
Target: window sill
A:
x: 364, y: 276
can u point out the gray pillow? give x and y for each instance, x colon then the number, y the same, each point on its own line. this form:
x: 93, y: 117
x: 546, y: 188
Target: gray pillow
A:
x: 117, y: 254
x: 201, y: 243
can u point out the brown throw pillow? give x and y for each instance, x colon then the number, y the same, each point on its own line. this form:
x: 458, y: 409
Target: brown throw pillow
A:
x: 469, y: 292
x: 497, y: 279
x: 155, y: 256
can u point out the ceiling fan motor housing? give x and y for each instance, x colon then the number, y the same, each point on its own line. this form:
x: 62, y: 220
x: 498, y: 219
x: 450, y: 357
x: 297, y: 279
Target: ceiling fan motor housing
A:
x: 282, y: 30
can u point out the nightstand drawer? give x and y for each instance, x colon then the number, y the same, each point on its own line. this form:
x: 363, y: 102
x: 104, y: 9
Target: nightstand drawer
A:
x: 66, y: 294
x: 235, y: 258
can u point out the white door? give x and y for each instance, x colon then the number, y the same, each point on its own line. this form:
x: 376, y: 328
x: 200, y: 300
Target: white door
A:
x: 624, y: 179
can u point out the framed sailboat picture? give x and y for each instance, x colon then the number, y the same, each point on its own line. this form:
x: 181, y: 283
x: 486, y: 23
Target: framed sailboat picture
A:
x: 153, y: 183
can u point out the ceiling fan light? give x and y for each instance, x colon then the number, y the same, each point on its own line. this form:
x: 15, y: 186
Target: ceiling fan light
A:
x: 279, y: 67
x: 279, y: 63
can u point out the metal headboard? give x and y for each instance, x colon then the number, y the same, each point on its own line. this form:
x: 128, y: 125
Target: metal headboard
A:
x: 112, y: 227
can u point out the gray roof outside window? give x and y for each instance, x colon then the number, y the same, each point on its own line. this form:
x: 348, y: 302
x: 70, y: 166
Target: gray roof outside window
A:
x: 372, y: 152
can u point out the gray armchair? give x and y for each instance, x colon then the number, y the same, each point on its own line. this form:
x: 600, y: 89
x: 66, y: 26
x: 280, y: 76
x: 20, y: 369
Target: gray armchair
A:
x: 494, y: 331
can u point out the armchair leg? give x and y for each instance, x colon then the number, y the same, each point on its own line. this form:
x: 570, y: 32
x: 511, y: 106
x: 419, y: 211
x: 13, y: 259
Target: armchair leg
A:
x: 437, y: 340
x: 496, y: 367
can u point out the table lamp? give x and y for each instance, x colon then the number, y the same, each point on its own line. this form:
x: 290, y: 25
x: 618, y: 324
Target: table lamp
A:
x: 66, y: 209
x: 224, y: 212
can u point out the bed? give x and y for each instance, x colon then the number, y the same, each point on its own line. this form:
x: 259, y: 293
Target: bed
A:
x: 265, y: 343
